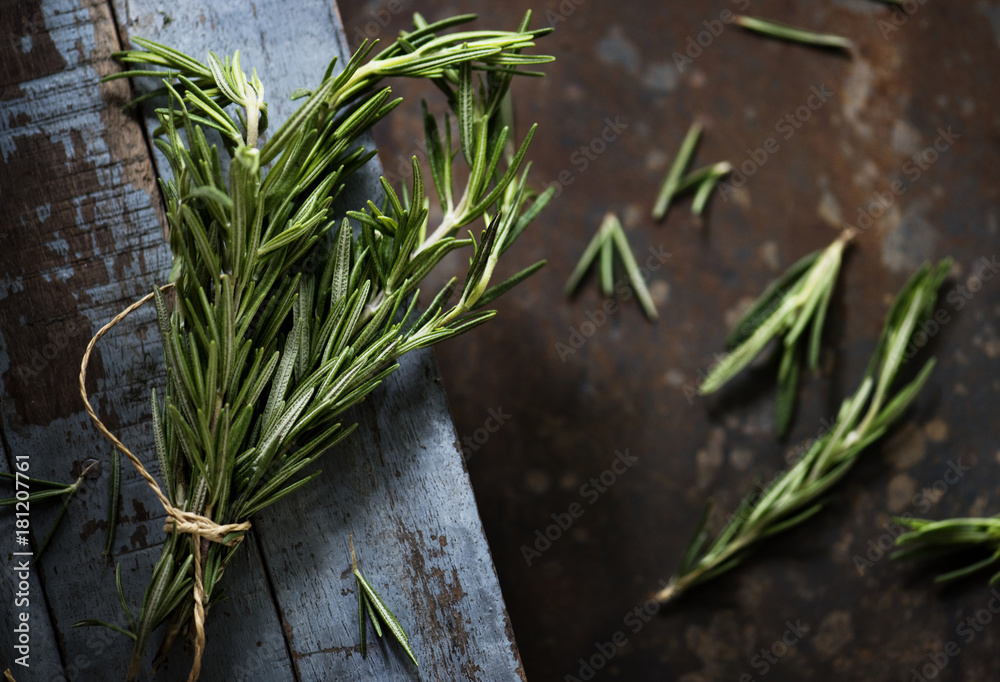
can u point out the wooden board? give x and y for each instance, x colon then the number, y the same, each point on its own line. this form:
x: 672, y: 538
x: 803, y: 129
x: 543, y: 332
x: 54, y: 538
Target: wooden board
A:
x: 81, y: 238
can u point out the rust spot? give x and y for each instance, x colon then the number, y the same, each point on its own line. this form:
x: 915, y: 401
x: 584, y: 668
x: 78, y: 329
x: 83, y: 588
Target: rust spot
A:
x: 90, y: 527
x: 140, y: 512
x: 138, y: 538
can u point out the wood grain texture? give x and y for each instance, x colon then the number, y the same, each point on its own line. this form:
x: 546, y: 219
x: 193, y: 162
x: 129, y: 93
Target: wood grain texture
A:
x: 81, y: 238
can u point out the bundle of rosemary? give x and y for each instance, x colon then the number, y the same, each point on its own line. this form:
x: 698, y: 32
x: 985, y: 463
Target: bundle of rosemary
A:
x: 797, y: 494
x: 263, y: 354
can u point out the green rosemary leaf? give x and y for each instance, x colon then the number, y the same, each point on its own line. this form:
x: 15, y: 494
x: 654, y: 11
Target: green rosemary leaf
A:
x: 362, y: 608
x: 499, y: 290
x: 121, y: 597
x: 697, y: 540
x: 91, y: 622
x: 386, y: 616
x: 931, y: 538
x: 372, y: 615
x: 769, y: 300
x: 680, y: 164
x: 593, y: 248
x: 114, y: 492
x: 607, y: 267
x: 788, y: 383
x: 632, y: 269
x: 707, y: 185
x: 735, y: 361
x: 793, y: 34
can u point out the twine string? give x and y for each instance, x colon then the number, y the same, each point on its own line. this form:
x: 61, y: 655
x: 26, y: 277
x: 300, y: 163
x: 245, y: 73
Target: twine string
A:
x: 178, y: 520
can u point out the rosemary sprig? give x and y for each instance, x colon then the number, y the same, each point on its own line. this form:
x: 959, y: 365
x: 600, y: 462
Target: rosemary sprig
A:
x: 932, y: 538
x: 800, y: 297
x: 796, y: 494
x: 371, y: 606
x: 263, y: 356
x: 793, y: 34
x: 51, y: 489
x: 610, y: 237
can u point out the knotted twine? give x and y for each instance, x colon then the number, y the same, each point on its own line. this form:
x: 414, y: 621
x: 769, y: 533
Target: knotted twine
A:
x: 178, y: 520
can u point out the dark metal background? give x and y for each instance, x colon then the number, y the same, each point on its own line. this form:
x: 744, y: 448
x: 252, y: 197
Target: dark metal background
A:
x: 625, y: 387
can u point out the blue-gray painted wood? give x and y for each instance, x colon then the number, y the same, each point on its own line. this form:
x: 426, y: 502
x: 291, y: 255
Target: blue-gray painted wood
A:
x: 81, y: 238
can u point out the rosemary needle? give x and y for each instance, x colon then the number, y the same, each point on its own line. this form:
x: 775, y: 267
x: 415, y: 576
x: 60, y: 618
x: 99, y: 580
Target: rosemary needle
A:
x: 632, y: 269
x: 594, y: 247
x: 607, y: 266
x: 714, y: 173
x: 793, y: 33
x: 796, y: 494
x: 372, y: 606
x: 611, y: 237
x: 931, y: 538
x: 114, y: 492
x: 670, y: 184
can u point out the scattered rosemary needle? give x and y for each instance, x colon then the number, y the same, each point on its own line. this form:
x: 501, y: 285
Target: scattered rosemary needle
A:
x: 670, y: 183
x: 611, y: 237
x: 70, y: 492
x: 51, y: 489
x: 263, y: 355
x: 114, y: 493
x: 931, y: 538
x: 705, y: 179
x: 793, y: 33
x: 796, y: 494
x: 799, y: 297
x: 372, y: 607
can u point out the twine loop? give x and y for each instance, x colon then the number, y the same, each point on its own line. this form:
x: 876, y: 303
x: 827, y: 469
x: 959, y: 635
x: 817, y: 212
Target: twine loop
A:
x: 178, y: 520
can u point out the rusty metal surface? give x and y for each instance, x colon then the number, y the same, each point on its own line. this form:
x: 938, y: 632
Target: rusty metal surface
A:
x: 624, y: 388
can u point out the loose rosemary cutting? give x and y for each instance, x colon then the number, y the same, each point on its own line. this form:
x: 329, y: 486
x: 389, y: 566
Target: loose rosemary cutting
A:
x: 800, y: 297
x: 796, y: 494
x: 263, y: 353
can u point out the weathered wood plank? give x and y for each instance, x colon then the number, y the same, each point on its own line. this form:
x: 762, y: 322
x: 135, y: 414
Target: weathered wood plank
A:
x: 82, y: 239
x: 398, y: 483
